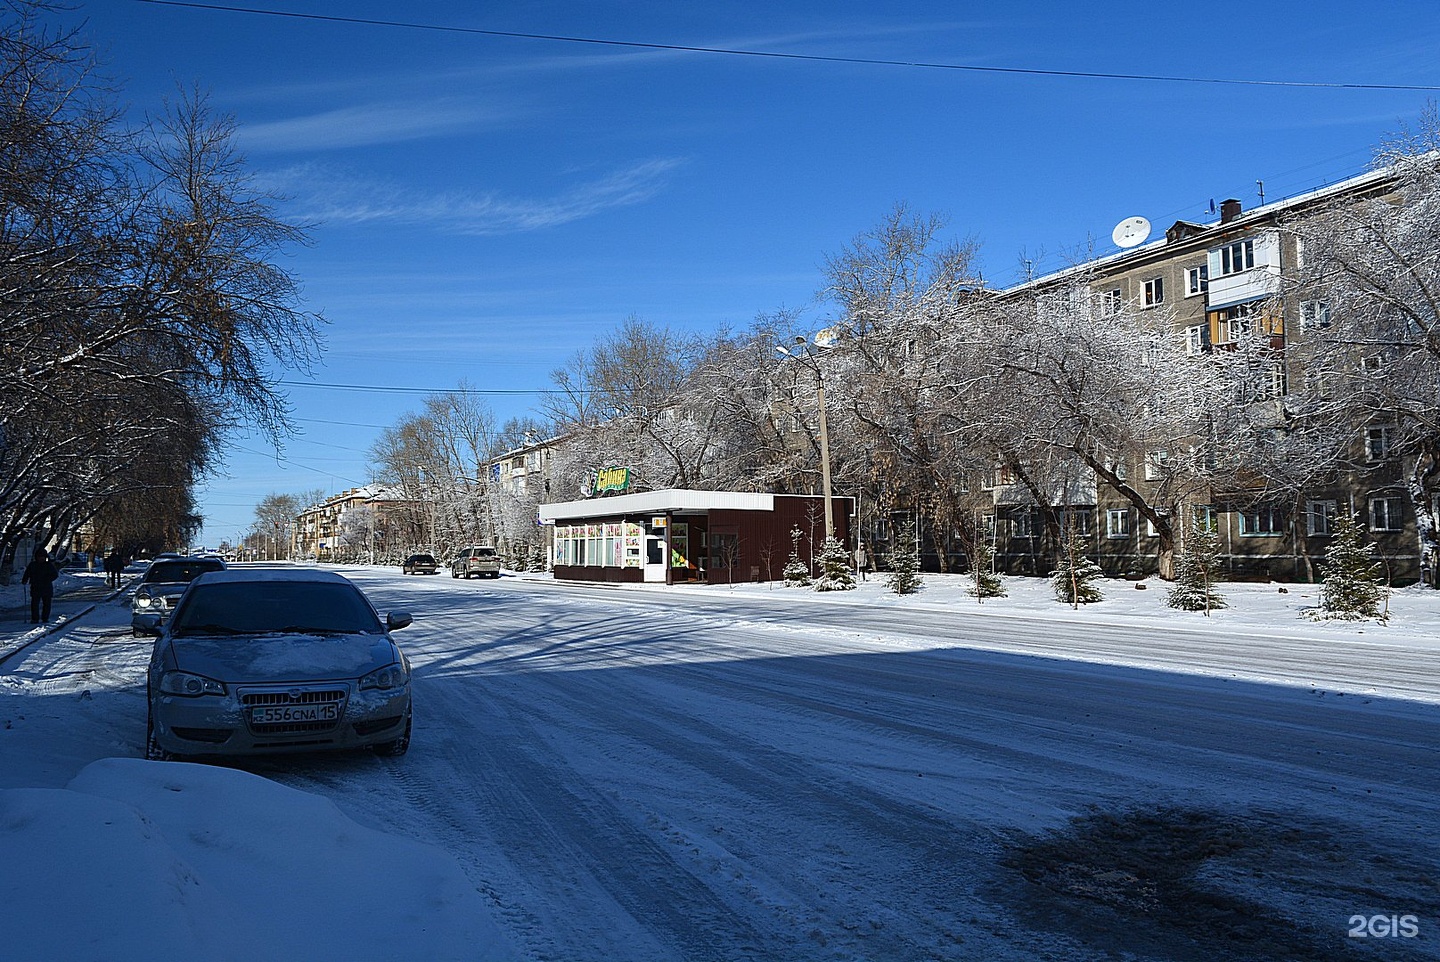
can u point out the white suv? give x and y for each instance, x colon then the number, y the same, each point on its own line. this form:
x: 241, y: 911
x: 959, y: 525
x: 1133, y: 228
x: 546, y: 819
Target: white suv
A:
x: 480, y: 560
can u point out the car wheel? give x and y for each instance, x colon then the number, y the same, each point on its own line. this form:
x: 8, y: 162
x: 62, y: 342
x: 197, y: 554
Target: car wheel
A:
x: 399, y: 746
x: 153, y: 751
x: 455, y: 574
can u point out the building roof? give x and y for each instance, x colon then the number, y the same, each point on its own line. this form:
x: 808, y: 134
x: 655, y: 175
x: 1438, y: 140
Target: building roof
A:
x: 670, y: 500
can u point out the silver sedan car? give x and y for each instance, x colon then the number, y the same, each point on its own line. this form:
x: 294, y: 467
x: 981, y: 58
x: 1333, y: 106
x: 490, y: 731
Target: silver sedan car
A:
x: 275, y: 660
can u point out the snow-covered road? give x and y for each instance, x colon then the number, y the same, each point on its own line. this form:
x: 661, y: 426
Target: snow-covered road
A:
x: 633, y: 775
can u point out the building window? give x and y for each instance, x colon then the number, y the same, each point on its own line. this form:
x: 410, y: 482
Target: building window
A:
x: 1320, y: 517
x: 1237, y: 257
x: 1117, y: 523
x: 1110, y: 302
x: 1155, y: 292
x: 1385, y: 514
x: 1205, y: 517
x: 1077, y: 521
x: 1378, y: 442
x: 1264, y: 522
x: 1022, y: 523
x: 1314, y: 315
x: 1197, y: 280
x: 1155, y: 464
x: 1232, y: 323
x: 1195, y: 340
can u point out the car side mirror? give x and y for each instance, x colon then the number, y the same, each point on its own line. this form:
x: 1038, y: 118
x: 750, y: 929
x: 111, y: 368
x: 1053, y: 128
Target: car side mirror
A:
x: 397, y: 620
x: 146, y: 624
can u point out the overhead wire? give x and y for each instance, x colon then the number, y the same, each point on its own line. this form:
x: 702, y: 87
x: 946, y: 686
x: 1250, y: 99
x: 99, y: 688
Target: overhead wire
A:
x: 780, y: 55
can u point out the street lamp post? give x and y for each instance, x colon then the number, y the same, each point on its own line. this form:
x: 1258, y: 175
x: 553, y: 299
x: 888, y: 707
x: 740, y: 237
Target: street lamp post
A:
x: 801, y: 353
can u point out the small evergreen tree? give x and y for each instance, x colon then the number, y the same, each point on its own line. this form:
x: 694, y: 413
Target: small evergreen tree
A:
x: 797, y: 572
x: 1354, y: 584
x: 904, y: 577
x: 987, y: 582
x: 1196, y: 572
x: 1074, y: 579
x: 834, y: 568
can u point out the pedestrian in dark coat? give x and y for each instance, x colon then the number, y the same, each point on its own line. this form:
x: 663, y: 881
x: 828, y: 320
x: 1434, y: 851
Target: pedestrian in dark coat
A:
x: 40, y: 575
x: 114, y: 564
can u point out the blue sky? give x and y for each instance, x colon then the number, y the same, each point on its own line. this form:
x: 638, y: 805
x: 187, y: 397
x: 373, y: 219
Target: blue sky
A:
x: 485, y: 206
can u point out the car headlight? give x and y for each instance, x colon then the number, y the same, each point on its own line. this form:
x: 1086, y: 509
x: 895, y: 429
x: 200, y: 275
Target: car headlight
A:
x: 143, y: 601
x: 391, y: 676
x: 184, y: 683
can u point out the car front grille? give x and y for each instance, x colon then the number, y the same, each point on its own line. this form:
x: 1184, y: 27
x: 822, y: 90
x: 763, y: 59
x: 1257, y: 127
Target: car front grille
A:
x: 293, y: 697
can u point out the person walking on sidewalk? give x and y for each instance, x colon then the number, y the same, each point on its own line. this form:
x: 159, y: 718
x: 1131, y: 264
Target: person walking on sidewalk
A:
x: 40, y: 575
x: 114, y: 564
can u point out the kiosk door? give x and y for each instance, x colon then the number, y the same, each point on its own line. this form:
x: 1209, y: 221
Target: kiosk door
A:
x: 657, y: 556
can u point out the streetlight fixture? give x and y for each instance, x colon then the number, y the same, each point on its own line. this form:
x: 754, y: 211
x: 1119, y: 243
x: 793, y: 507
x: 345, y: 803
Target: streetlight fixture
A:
x: 802, y: 352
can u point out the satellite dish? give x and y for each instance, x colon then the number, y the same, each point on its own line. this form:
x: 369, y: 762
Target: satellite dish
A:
x: 827, y: 337
x: 1130, y: 232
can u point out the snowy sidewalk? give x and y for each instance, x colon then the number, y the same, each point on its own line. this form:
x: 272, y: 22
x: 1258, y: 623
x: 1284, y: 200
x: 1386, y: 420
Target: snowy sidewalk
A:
x: 77, y: 592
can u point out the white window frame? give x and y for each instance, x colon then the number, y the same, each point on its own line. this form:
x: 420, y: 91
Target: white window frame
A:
x: 1379, y: 442
x: 1085, y: 518
x: 1237, y: 257
x: 1195, y: 340
x: 1206, y: 516
x: 1265, y: 521
x: 1320, y: 517
x: 1197, y: 280
x: 1314, y: 315
x: 1387, y: 513
x: 1154, y: 292
x: 1155, y: 463
x: 1111, y: 301
x: 1117, y: 522
x: 1022, y: 523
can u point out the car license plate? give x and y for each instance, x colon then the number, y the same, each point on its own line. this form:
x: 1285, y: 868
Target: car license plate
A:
x: 280, y: 714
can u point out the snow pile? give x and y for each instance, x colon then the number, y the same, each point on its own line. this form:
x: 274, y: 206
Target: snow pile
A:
x: 174, y: 861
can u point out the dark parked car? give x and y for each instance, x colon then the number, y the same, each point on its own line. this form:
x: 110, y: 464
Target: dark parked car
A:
x: 258, y: 661
x: 164, y: 582
x: 420, y: 564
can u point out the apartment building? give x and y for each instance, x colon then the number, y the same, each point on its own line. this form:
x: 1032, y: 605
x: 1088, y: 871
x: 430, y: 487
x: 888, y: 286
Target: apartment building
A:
x: 1216, y: 282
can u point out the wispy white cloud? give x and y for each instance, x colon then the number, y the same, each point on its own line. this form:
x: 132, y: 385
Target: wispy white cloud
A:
x: 319, y: 196
x: 368, y: 124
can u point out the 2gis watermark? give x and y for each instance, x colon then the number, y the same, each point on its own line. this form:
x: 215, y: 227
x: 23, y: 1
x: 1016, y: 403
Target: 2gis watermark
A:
x: 1384, y: 927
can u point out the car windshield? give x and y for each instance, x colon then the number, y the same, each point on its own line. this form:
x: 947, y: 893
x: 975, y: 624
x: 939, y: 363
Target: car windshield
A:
x: 174, y: 571
x: 421, y: 558
x: 266, y: 607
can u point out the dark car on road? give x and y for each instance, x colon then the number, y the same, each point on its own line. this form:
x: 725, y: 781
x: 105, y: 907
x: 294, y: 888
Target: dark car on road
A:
x: 258, y: 661
x: 420, y: 564
x: 164, y: 582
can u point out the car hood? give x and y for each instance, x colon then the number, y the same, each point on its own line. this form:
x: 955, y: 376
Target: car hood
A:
x: 239, y: 659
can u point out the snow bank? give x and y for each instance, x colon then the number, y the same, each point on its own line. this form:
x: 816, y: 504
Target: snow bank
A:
x: 165, y: 860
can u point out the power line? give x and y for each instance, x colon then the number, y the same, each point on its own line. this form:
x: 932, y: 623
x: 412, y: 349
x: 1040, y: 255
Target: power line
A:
x: 776, y: 55
x: 404, y: 389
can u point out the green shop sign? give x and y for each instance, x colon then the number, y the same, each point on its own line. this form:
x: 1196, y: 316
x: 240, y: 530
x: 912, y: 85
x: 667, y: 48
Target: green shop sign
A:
x: 612, y: 479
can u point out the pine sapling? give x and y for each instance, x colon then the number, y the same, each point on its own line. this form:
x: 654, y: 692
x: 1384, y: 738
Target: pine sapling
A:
x: 797, y: 572
x: 1196, y: 572
x: 1074, y: 579
x: 904, y: 577
x: 1354, y: 584
x: 835, y: 572
x: 987, y: 582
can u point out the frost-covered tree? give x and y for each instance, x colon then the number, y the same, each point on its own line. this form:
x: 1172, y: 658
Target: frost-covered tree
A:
x: 1369, y: 289
x: 904, y: 575
x: 797, y: 572
x: 1075, y: 578
x: 1196, y: 571
x: 835, y: 574
x: 1354, y: 586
